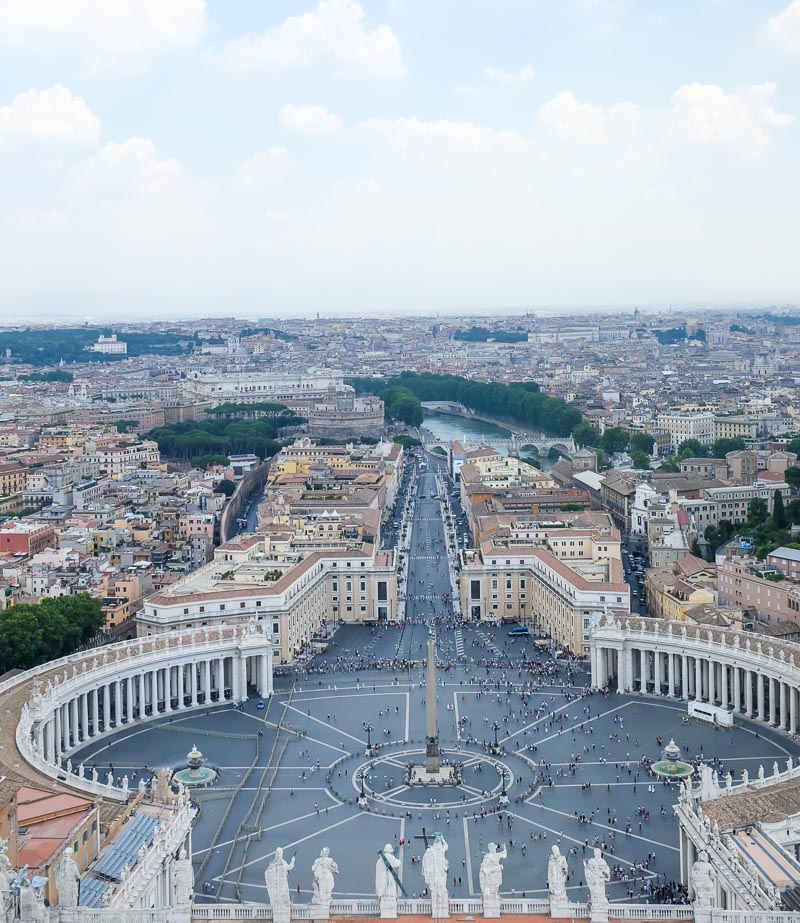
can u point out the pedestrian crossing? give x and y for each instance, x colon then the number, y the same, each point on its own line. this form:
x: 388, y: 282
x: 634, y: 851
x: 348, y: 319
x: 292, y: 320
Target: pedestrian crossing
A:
x: 459, y: 638
x: 427, y: 557
x: 429, y: 598
x: 489, y: 644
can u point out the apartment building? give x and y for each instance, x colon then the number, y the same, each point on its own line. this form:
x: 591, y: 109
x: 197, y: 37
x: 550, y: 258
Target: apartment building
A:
x: 552, y: 577
x: 680, y: 425
x: 26, y: 537
x: 759, y: 587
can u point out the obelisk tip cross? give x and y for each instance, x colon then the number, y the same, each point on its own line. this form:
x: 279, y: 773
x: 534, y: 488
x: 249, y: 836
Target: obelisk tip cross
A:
x: 431, y: 726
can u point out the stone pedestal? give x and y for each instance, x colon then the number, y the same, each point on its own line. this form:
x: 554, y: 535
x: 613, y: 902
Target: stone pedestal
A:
x: 491, y: 907
x: 388, y: 908
x: 561, y: 910
x: 599, y: 912
x: 282, y: 913
x: 320, y: 911
x: 440, y: 907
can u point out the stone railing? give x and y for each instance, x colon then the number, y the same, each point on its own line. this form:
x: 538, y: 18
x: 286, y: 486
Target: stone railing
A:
x: 748, y: 916
x: 102, y: 915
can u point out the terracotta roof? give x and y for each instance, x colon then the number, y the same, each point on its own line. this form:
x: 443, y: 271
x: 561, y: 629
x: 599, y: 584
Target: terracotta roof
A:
x: 774, y: 802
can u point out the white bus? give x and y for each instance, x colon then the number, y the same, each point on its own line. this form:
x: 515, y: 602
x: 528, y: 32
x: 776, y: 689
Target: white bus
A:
x: 712, y: 714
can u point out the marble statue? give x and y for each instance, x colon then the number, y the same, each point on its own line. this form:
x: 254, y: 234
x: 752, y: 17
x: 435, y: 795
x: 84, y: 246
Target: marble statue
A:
x: 323, y: 870
x: 434, y: 871
x: 183, y: 879
x: 277, y: 880
x: 67, y: 879
x: 385, y: 884
x: 702, y: 878
x: 597, y: 874
x: 557, y: 874
x: 491, y: 877
x: 5, y: 880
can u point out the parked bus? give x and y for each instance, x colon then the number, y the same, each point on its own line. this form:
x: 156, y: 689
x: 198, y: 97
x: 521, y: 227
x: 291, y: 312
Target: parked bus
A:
x: 517, y: 631
x: 712, y: 714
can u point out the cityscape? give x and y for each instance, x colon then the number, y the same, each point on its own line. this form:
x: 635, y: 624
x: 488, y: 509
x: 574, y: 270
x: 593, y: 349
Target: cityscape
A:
x: 399, y: 461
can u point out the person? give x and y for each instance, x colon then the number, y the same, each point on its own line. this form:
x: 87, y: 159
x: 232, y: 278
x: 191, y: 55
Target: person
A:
x: 323, y: 870
x: 277, y: 880
x: 385, y: 883
x: 491, y: 873
x: 67, y: 878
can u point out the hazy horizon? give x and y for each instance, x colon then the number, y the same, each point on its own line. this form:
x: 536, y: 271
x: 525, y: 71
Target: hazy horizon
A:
x: 197, y: 157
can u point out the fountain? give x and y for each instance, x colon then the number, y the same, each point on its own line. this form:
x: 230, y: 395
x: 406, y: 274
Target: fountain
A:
x: 196, y: 774
x: 671, y: 766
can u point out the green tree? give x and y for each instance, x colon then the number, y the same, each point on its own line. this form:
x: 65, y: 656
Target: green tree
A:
x: 721, y: 447
x: 586, y: 435
x: 778, y: 511
x: 614, y: 439
x: 792, y: 477
x: 640, y: 460
x: 695, y: 548
x: 670, y: 464
x: 225, y: 487
x: 757, y: 511
x: 794, y: 445
x: 642, y: 442
x: 793, y: 512
x: 209, y: 461
x: 692, y: 448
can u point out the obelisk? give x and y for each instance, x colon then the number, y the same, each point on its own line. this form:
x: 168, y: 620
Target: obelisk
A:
x: 431, y: 727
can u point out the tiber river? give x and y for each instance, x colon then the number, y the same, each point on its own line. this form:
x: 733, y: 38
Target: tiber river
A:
x: 447, y: 427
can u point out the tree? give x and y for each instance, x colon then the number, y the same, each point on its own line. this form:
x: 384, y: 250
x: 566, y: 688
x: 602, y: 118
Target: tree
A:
x: 793, y: 445
x: 642, y: 442
x: 695, y: 548
x: 613, y: 440
x: 670, y: 464
x: 792, y: 477
x: 640, y: 460
x: 721, y: 447
x: 692, y: 448
x: 778, y: 511
x: 209, y: 461
x: 757, y: 511
x: 584, y: 435
x: 225, y: 487
x: 793, y: 512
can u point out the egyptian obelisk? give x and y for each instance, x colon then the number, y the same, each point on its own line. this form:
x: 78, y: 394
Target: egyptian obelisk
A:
x: 431, y: 727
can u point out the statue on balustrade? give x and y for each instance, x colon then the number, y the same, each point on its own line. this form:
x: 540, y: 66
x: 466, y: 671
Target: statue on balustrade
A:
x: 386, y: 883
x: 491, y: 877
x: 277, y: 880
x: 323, y: 870
x: 5, y: 880
x: 183, y: 879
x: 434, y: 871
x: 557, y: 874
x: 597, y: 875
x: 705, y: 890
x: 67, y: 878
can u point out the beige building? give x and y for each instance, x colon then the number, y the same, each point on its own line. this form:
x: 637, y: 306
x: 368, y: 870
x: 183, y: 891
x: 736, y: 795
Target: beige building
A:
x: 682, y: 425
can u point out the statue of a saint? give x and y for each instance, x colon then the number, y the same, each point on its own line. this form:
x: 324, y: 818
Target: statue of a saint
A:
x: 702, y: 876
x: 5, y: 881
x: 557, y: 873
x: 277, y: 880
x: 385, y: 884
x: 434, y: 871
x: 323, y: 870
x: 67, y: 879
x: 491, y: 877
x: 597, y: 874
x: 183, y: 879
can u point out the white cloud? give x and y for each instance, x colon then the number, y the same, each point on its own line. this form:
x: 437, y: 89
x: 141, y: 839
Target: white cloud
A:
x: 266, y: 168
x: 585, y: 125
x: 52, y: 116
x: 783, y: 29
x: 309, y: 120
x: 738, y: 122
x: 333, y: 32
x: 403, y: 135
x: 133, y: 166
x: 103, y: 32
x: 524, y: 75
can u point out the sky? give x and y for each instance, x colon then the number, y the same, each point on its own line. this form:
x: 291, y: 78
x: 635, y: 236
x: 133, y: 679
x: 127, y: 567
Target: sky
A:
x: 264, y: 157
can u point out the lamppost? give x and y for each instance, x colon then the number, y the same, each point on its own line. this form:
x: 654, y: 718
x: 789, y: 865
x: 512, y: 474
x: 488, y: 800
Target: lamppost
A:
x: 495, y: 726
x: 503, y: 799
x: 369, y: 728
x: 362, y: 795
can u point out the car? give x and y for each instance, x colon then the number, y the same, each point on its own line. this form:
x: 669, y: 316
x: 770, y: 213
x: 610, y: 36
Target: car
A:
x: 260, y: 703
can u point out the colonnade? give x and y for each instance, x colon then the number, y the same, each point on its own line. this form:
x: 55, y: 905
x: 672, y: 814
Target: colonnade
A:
x: 737, y: 671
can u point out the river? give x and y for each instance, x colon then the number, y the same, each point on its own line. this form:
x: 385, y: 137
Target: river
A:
x: 447, y: 427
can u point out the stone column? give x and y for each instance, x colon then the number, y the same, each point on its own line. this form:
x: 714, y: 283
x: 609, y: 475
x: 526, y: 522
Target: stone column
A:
x: 207, y: 682
x: 221, y: 679
x: 243, y: 678
x: 737, y: 690
x: 671, y: 675
x: 47, y: 731
x: 118, y: 707
x: 724, y: 675
x: 657, y: 672
x: 698, y: 679
x: 773, y: 700
x: 168, y: 688
x: 748, y: 693
x: 128, y: 684
x: 193, y: 681
x: 712, y: 682
x: 684, y: 677
x: 643, y: 670
x: 595, y: 672
x: 65, y: 724
x: 85, y: 716
x: 762, y: 714
x: 93, y: 711
x: 792, y: 711
x: 783, y: 716
x: 262, y: 676
x: 73, y: 721
x: 154, y: 689
x: 106, y: 707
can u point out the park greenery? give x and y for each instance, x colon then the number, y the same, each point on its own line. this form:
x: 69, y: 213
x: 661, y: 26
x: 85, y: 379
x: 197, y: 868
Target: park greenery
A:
x: 484, y: 334
x: 409, y: 442
x: 185, y: 441
x: 34, y: 634
x: 59, y: 375
x: 39, y: 346
x: 762, y: 531
x: 614, y: 439
x: 691, y: 448
x: 225, y: 487
x: 521, y: 403
x: 402, y: 406
x: 677, y: 335
x: 241, y: 410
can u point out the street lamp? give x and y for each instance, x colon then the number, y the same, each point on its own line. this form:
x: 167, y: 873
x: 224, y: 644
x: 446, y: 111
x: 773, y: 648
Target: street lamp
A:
x: 495, y: 726
x: 369, y: 728
x: 503, y: 799
x: 362, y: 795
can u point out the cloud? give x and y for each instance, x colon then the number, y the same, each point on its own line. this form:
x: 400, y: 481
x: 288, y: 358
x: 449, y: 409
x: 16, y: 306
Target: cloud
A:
x: 333, y: 32
x: 524, y: 75
x: 401, y: 136
x: 48, y: 117
x: 133, y: 166
x: 585, y: 125
x: 704, y: 114
x: 783, y: 29
x: 310, y: 120
x: 104, y: 32
x: 266, y: 168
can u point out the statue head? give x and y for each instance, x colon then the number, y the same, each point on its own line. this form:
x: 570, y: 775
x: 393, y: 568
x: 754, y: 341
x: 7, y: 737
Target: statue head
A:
x: 702, y: 856
x: 182, y: 853
x: 492, y: 847
x: 325, y: 851
x: 389, y: 849
x: 598, y: 853
x: 279, y: 853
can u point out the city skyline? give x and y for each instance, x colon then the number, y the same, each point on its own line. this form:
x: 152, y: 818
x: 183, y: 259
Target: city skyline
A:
x: 178, y: 157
